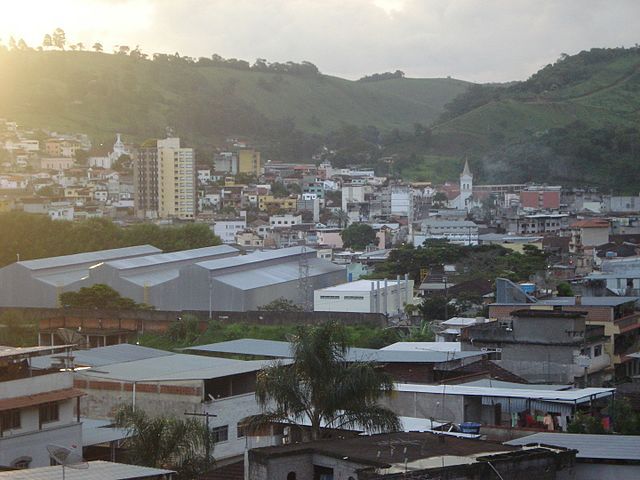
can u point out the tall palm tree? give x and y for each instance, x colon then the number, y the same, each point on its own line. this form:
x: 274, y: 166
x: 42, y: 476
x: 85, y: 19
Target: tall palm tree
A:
x: 320, y: 386
x: 340, y: 217
x: 166, y: 442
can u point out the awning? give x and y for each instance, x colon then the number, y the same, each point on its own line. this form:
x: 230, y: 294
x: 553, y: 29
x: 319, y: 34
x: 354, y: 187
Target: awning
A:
x: 39, y: 398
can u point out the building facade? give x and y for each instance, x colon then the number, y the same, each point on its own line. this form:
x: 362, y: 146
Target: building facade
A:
x: 176, y: 180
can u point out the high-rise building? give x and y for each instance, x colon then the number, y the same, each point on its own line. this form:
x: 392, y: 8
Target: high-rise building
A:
x: 249, y: 162
x: 145, y: 180
x: 176, y: 180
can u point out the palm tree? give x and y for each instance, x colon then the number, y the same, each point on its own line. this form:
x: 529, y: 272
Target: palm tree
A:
x: 323, y: 388
x: 166, y: 442
x: 341, y: 217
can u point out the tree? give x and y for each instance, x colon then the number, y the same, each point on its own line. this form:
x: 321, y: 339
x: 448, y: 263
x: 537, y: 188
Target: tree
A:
x: 358, y: 236
x: 166, y: 442
x: 59, y: 38
x: 321, y: 387
x: 439, y: 200
x: 564, y: 290
x: 47, y: 42
x: 281, y: 305
x: 97, y: 47
x: 98, y: 296
x: 437, y: 308
x: 340, y: 217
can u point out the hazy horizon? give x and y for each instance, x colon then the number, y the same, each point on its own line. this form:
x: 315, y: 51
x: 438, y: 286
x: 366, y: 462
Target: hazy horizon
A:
x: 488, y: 41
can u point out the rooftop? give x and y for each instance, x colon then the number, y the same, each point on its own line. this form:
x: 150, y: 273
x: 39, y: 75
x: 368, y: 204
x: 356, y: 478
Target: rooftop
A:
x: 89, y: 257
x: 577, y: 396
x: 611, y: 447
x: 277, y: 349
x: 360, y: 286
x: 98, y: 470
x: 172, y: 257
x: 255, y: 257
x: 428, y: 346
x: 101, y: 356
x: 591, y: 223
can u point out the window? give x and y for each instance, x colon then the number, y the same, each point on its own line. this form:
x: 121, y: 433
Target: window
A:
x: 242, y: 429
x: 49, y: 412
x: 21, y: 462
x: 220, y: 434
x: 597, y: 350
x: 330, y: 297
x: 291, y: 476
x: 353, y: 297
x: 9, y: 420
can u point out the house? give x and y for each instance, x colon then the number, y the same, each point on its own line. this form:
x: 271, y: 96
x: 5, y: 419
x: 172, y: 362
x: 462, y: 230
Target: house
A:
x: 405, y: 455
x: 228, y: 228
x: 462, y: 232
x: 37, y: 408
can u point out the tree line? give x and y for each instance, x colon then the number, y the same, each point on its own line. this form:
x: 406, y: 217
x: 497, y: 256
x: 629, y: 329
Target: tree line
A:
x: 27, y: 236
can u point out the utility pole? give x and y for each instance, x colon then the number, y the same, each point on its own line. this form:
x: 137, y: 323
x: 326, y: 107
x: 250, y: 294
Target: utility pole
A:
x: 207, y: 444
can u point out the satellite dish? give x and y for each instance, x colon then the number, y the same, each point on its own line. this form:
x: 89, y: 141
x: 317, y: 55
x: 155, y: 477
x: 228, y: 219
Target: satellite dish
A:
x: 72, y: 337
x: 67, y: 457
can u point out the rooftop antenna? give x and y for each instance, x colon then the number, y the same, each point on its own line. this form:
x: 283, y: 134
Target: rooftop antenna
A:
x: 67, y: 457
x: 72, y: 337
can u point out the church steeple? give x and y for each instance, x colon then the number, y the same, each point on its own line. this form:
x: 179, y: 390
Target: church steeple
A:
x: 467, y: 171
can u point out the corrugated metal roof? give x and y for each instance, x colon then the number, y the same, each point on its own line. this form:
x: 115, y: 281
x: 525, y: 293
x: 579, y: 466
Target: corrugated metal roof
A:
x: 581, y: 395
x: 39, y: 398
x: 590, y: 301
x: 361, y: 286
x: 277, y: 349
x: 168, y: 258
x: 255, y: 257
x: 605, y: 447
x: 262, y: 276
x: 101, y: 356
x: 98, y: 470
x: 174, y: 367
x: 89, y: 257
x: 96, y: 432
x: 425, y: 346
x: 492, y: 383
x: 7, y: 352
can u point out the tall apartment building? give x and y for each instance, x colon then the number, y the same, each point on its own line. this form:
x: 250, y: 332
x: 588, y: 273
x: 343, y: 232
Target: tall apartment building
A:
x: 249, y: 162
x: 176, y: 180
x: 145, y: 181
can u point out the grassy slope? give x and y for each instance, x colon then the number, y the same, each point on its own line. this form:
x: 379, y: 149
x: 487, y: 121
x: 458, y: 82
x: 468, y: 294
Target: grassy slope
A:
x: 611, y: 96
x: 100, y: 93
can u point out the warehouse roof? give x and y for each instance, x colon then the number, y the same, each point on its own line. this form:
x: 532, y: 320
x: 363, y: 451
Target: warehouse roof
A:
x: 98, y: 470
x: 276, y: 273
x: 277, y: 349
x: 174, y: 367
x: 88, y: 257
x: 100, y: 356
x: 172, y: 257
x: 581, y: 395
x: 255, y: 257
x: 611, y: 447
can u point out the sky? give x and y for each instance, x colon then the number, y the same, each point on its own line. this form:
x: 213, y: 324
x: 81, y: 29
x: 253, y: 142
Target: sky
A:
x: 475, y: 40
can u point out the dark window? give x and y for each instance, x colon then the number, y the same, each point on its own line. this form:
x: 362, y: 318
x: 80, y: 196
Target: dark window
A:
x: 597, y: 350
x: 49, y: 412
x: 220, y: 434
x: 291, y: 476
x: 9, y: 420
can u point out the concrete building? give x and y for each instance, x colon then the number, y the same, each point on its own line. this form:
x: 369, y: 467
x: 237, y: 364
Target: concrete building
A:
x: 145, y: 181
x: 37, y: 408
x: 462, y: 232
x: 97, y: 470
x: 39, y: 283
x: 176, y: 180
x: 249, y: 162
x: 538, y: 197
x: 617, y: 458
x: 228, y: 228
x: 405, y: 455
x: 544, y: 346
x: 538, y: 223
x: 365, y: 296
x: 586, y: 235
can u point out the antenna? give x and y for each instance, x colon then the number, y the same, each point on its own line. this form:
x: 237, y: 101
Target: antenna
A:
x: 72, y: 337
x: 67, y: 457
x: 304, y: 286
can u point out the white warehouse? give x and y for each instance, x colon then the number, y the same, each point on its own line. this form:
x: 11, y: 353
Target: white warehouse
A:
x: 365, y: 296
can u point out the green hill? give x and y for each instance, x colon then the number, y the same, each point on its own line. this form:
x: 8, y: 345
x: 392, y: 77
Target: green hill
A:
x: 102, y: 93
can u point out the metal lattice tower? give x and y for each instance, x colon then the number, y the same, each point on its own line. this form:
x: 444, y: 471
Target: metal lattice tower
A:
x: 304, y: 285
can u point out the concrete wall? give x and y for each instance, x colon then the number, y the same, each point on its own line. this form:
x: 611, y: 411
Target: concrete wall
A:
x: 426, y: 405
x: 34, y: 444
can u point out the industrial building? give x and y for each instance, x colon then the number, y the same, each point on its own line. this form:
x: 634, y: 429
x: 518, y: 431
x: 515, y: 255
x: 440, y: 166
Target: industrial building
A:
x: 152, y: 279
x: 365, y: 296
x: 39, y: 283
x: 247, y: 282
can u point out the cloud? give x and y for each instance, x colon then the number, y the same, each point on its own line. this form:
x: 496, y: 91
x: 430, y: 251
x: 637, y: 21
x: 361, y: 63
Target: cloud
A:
x: 479, y: 40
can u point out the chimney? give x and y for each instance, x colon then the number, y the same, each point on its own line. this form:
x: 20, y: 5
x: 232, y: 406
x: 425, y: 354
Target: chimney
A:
x: 578, y: 299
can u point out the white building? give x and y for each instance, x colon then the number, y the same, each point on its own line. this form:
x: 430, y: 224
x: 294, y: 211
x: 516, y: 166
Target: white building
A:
x: 464, y: 200
x: 288, y: 220
x: 176, y: 180
x: 36, y: 409
x: 365, y: 296
x: 228, y: 229
x: 461, y: 232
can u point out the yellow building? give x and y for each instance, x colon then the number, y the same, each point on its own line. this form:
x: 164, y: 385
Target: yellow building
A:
x: 266, y: 202
x: 176, y: 180
x: 249, y: 162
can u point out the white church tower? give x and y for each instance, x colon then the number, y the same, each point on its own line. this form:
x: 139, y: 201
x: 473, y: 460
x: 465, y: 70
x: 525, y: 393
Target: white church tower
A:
x: 466, y: 188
